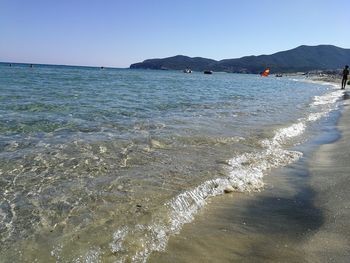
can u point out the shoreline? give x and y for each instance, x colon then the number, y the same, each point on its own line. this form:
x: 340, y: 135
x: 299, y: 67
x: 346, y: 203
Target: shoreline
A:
x: 329, y: 170
x: 298, y: 217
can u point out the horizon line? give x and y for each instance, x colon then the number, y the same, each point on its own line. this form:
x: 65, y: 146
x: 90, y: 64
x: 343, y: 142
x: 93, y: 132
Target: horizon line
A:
x: 63, y: 65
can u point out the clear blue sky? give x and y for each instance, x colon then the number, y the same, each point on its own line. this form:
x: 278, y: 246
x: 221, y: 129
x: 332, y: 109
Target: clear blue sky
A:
x: 120, y: 32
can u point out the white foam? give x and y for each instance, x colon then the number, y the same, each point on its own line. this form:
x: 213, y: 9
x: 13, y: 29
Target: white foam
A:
x: 326, y: 103
x: 118, y: 238
x: 329, y: 98
x: 245, y: 174
x: 136, y: 244
x: 285, y: 133
x: 316, y: 116
x: 93, y: 255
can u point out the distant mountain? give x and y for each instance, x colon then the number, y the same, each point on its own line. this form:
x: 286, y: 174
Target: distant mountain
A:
x: 300, y: 59
x: 177, y: 62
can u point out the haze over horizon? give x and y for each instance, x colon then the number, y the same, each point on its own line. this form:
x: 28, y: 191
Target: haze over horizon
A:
x: 119, y: 33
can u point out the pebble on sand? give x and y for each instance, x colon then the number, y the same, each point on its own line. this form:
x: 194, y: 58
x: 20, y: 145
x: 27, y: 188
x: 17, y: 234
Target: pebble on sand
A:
x: 229, y: 189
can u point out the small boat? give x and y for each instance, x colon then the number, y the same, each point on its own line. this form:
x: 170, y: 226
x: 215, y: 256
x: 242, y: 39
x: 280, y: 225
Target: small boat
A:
x: 208, y: 72
x: 266, y: 72
x: 187, y: 70
x: 278, y: 75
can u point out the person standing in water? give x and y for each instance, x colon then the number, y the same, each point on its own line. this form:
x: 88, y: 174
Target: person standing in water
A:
x: 345, y: 77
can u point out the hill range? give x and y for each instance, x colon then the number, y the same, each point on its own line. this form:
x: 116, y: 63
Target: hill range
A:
x: 300, y: 59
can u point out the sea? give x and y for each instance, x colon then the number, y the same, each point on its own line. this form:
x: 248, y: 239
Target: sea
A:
x: 106, y: 165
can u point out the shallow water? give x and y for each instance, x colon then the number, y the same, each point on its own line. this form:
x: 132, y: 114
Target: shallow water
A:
x: 105, y: 165
x: 279, y: 224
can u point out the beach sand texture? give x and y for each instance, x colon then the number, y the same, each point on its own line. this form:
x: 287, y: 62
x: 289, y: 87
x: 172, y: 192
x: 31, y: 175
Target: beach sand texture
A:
x: 301, y: 216
x: 330, y: 179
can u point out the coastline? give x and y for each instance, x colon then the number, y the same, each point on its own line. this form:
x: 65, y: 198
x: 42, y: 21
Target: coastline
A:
x: 329, y: 170
x: 300, y: 216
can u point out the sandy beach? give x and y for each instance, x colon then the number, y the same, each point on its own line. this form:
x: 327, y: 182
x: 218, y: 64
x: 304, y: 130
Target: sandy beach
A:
x: 329, y: 169
x: 301, y: 215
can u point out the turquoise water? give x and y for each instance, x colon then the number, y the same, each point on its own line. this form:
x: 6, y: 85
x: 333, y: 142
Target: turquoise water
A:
x: 105, y: 165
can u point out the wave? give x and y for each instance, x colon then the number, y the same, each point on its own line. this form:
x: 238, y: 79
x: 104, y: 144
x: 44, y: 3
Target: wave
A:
x: 245, y: 174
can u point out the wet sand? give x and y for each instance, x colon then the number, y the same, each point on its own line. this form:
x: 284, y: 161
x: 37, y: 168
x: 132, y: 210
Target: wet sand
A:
x: 330, y: 178
x: 302, y: 215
